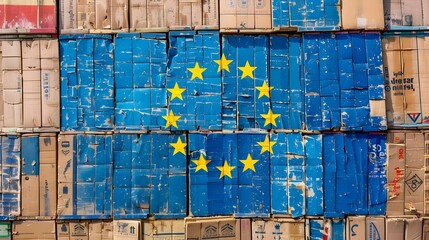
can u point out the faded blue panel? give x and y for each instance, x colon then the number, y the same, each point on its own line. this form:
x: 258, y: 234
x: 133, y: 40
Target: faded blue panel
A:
x: 333, y: 148
x: 200, y: 106
x: 10, y: 197
x: 279, y: 177
x: 30, y: 156
x: 307, y: 15
x: 377, y: 180
x: 87, y: 101
x: 316, y: 229
x: 314, y: 174
x: 338, y: 229
x: 141, y: 94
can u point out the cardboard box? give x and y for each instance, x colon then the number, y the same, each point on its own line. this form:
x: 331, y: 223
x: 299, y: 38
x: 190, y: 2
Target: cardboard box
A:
x: 29, y: 229
x: 28, y: 17
x: 72, y: 230
x: 405, y: 80
x: 406, y: 14
x: 84, y: 176
x: 375, y: 228
x: 396, y: 173
x: 127, y: 230
x: 248, y: 14
x: 10, y: 200
x: 413, y: 229
x: 366, y: 14
x: 164, y: 229
x: 275, y: 228
x: 5, y: 230
x: 100, y: 230
x: 425, y: 229
x: 395, y: 228
x: 217, y: 228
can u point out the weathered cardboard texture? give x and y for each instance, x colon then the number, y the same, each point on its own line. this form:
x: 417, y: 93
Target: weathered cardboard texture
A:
x: 274, y: 229
x: 99, y: 230
x: 127, y: 230
x: 29, y: 229
x: 72, y: 231
x: 365, y: 14
x: 65, y: 174
x: 395, y: 173
x: 413, y: 229
x: 356, y: 228
x: 164, y: 229
x: 375, y: 228
x: 395, y: 229
x: 47, y: 178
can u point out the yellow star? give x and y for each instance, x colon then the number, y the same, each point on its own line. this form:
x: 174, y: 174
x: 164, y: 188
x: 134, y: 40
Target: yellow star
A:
x: 247, y: 70
x: 270, y: 117
x: 223, y: 63
x: 176, y: 92
x: 264, y: 90
x: 201, y: 163
x: 249, y: 163
x: 266, y: 145
x: 179, y: 146
x: 225, y: 170
x: 197, y: 72
x: 171, y: 119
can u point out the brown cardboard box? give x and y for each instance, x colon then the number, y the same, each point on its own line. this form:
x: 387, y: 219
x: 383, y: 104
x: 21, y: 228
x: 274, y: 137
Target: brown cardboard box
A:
x: 247, y: 14
x: 138, y: 15
x: 72, y: 231
x: 414, y: 173
x: 406, y: 12
x: 275, y: 228
x: 127, y: 230
x: 32, y: 114
x: 423, y: 65
x: 225, y: 228
x: 1, y: 87
x: 65, y: 174
x: 47, y: 177
x: 29, y: 229
x: 68, y: 16
x: 375, y: 228
x: 395, y: 173
x: 356, y: 228
x: 426, y: 229
x: 86, y: 18
x: 413, y: 229
x: 395, y: 228
x: 363, y: 14
x: 119, y: 14
x: 50, y: 83
x: 426, y: 185
x: 99, y: 230
x: 164, y: 229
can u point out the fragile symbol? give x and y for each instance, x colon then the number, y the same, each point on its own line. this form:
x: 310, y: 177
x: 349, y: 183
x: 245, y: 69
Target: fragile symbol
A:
x: 414, y: 182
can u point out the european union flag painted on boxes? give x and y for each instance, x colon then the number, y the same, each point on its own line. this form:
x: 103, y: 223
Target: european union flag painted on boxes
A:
x: 149, y: 176
x: 85, y: 167
x: 296, y: 172
x: 87, y: 94
x: 307, y: 15
x: 285, y: 90
x: 246, y: 86
x: 193, y: 81
x: 357, y: 160
x: 343, y: 82
x: 140, y: 85
x: 228, y: 174
x: 10, y: 197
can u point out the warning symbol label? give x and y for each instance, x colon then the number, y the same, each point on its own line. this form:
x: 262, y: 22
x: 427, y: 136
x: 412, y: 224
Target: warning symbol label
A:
x: 414, y: 182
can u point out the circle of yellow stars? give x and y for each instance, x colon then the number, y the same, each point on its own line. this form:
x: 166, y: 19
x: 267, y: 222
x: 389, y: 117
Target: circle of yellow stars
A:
x: 223, y: 64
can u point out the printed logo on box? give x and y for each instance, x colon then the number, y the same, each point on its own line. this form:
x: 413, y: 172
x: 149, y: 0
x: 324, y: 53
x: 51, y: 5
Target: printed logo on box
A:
x: 414, y: 116
x: 4, y: 230
x: 414, y: 182
x: 227, y: 230
x: 210, y: 231
x: 373, y: 232
x: 79, y: 230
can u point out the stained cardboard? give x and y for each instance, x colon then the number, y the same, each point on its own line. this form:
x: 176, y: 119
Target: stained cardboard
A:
x: 217, y: 228
x: 72, y: 230
x: 395, y: 228
x: 364, y: 14
x: 29, y: 229
x: 375, y: 228
x: 101, y: 230
x: 406, y: 14
x: 413, y: 229
x: 396, y: 173
x: 275, y: 228
x: 164, y: 229
x: 127, y: 230
x: 247, y: 14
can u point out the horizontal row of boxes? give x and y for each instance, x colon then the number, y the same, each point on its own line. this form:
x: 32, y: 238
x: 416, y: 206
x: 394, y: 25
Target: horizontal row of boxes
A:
x: 151, y: 82
x: 138, y: 15
x: 222, y: 228
x: 173, y: 175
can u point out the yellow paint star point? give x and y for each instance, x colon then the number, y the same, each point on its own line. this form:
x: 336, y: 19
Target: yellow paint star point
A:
x: 225, y: 170
x: 171, y: 119
x: 270, y: 117
x: 249, y: 163
x: 264, y: 90
x: 223, y: 63
x: 267, y: 145
x: 201, y: 163
x: 179, y: 146
x: 247, y: 70
x: 176, y: 92
x: 197, y: 71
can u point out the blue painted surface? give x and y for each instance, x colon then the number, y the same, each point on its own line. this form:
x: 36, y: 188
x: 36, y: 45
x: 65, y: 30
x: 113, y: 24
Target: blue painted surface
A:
x: 140, y: 86
x: 87, y: 82
x: 307, y: 15
x: 10, y: 196
x: 201, y: 104
x: 316, y: 229
x: 245, y: 193
x: 314, y: 174
x: 92, y: 177
x: 339, y: 87
x: 354, y: 183
x: 148, y: 177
